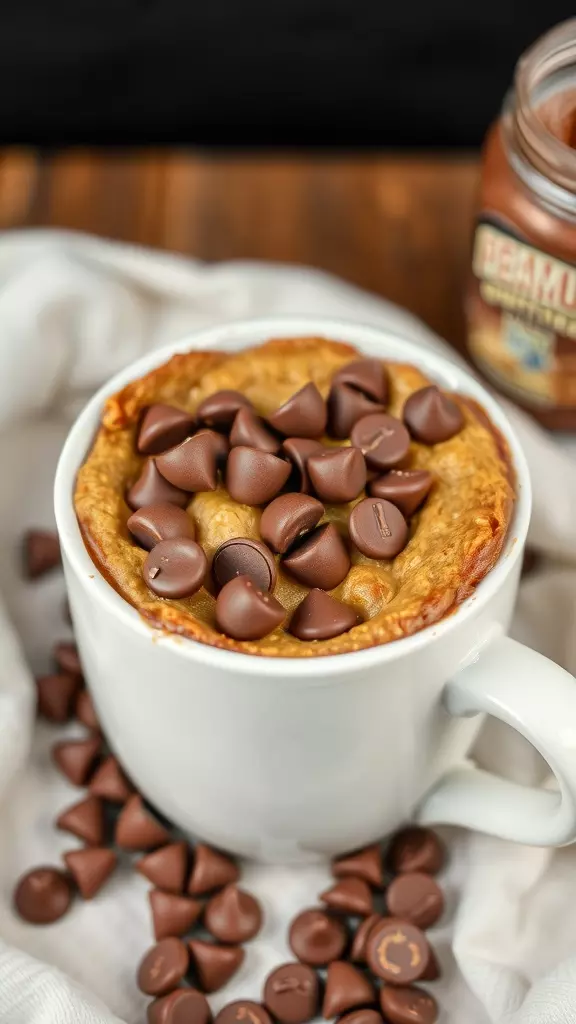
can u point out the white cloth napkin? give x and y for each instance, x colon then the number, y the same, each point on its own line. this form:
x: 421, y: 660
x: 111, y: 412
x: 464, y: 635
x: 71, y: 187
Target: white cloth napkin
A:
x: 73, y: 310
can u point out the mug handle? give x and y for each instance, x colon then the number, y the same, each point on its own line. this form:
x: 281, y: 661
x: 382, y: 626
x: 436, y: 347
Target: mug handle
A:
x: 538, y: 698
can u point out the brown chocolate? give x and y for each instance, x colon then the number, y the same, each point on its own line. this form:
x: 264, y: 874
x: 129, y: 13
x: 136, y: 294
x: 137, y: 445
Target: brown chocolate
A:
x: 152, y: 489
x: 211, y: 870
x: 254, y: 477
x: 299, y: 450
x: 41, y: 553
x: 153, y: 523
x: 416, y: 849
x: 172, y: 914
x: 345, y: 407
x: 346, y: 988
x: 166, y: 867
x: 397, y: 952
x: 337, y: 474
x: 405, y: 488
x: 67, y: 658
x: 163, y: 967
x: 320, y: 559
x: 378, y: 528
x: 183, y: 1006
x: 137, y: 829
x: 321, y: 617
x: 291, y: 993
x: 233, y: 915
x: 56, y: 694
x: 409, y: 1005
x: 220, y: 409
x: 90, y: 868
x: 349, y: 896
x: 361, y: 936
x: 162, y: 427
x: 433, y: 970
x: 242, y: 556
x: 383, y: 439
x: 415, y: 897
x: 85, y: 820
x: 110, y: 782
x: 244, y: 612
x: 219, y: 442
x: 362, y: 1017
x: 243, y: 1011
x: 85, y: 711
x: 191, y: 465
x: 42, y: 895
x: 366, y: 375
x: 75, y: 758
x: 215, y: 965
x: 303, y: 415
x: 431, y: 416
x: 175, y: 568
x: 365, y: 863
x: 250, y: 430
x: 288, y: 516
x: 316, y: 938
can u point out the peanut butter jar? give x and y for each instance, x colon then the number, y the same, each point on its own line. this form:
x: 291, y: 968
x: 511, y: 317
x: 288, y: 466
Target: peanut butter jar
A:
x: 521, y: 295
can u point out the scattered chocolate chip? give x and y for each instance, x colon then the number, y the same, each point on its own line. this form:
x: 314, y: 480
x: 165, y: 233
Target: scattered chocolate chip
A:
x: 90, y: 868
x: 137, y: 829
x: 254, y: 477
x: 299, y: 450
x: 243, y: 1010
x: 249, y: 430
x: 432, y: 972
x: 175, y: 568
x: 337, y: 474
x: 183, y: 1006
x: 56, y: 695
x: 416, y: 849
x: 415, y: 897
x: 405, y: 488
x: 288, y: 516
x: 408, y: 1005
x: 303, y: 415
x: 244, y: 612
x: 316, y: 938
x: 110, y: 783
x: 75, y: 758
x: 361, y: 1017
x: 211, y: 870
x: 67, y: 658
x: 397, y: 952
x: 291, y: 993
x: 242, y: 556
x: 346, y: 988
x: 345, y: 407
x: 321, y: 617
x: 233, y: 916
x: 42, y: 895
x: 383, y: 439
x: 349, y: 896
x: 162, y: 427
x: 85, y: 820
x: 153, y: 523
x: 215, y: 965
x: 191, y: 465
x: 152, y: 489
x: 320, y: 559
x: 41, y: 553
x: 166, y: 867
x: 431, y: 416
x: 366, y: 375
x: 220, y: 409
x: 365, y: 863
x: 360, y: 940
x: 85, y: 712
x: 378, y: 528
x: 172, y: 914
x: 163, y: 967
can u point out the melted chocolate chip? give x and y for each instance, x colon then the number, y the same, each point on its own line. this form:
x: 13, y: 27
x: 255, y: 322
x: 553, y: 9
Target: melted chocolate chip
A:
x: 242, y: 556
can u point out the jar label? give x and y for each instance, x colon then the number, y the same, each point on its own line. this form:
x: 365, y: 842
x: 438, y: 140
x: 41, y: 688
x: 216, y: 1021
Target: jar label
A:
x: 521, y: 309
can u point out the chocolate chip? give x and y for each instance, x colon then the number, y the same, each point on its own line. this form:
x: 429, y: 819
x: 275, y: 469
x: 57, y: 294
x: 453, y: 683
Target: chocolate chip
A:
x: 415, y: 897
x: 383, y: 439
x: 365, y: 863
x: 345, y: 407
x: 416, y: 849
x: 42, y: 895
x: 41, y: 553
x: 408, y: 1005
x: 291, y: 993
x: 172, y: 914
x: 432, y: 972
x: 378, y: 528
x: 56, y: 694
x: 254, y: 477
x: 67, y: 658
x: 303, y: 415
x: 233, y: 916
x: 75, y: 758
x: 249, y: 430
x: 349, y: 896
x: 211, y: 870
x: 163, y: 967
x: 153, y: 523
x: 337, y: 474
x: 152, y: 489
x: 90, y: 868
x: 244, y: 612
x: 110, y: 783
x: 137, y: 829
x: 405, y: 488
x: 366, y: 375
x: 321, y: 617
x: 320, y: 559
x: 215, y: 965
x: 85, y: 713
x: 285, y: 518
x: 299, y: 450
x: 183, y: 1006
x: 431, y: 416
x: 243, y: 1010
x: 397, y: 952
x: 361, y: 936
x: 219, y: 409
x: 85, y: 820
x: 162, y: 427
x: 191, y: 465
x: 346, y: 988
x: 219, y: 443
x: 166, y: 867
x: 175, y: 568
x: 362, y: 1017
x: 316, y: 938
x: 242, y: 556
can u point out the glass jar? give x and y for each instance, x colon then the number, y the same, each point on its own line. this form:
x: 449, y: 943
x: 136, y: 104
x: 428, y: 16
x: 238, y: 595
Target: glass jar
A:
x: 521, y: 297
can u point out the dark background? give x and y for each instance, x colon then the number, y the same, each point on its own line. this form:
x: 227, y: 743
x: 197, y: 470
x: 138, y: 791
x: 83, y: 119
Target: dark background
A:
x: 261, y: 73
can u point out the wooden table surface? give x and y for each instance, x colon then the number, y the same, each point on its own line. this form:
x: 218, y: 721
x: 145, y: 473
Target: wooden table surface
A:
x: 399, y: 226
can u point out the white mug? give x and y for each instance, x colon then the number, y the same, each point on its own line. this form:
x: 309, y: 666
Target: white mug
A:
x: 285, y: 759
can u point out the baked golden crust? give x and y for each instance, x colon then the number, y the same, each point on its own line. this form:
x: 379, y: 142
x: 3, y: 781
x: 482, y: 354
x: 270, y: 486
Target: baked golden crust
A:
x: 455, y: 539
